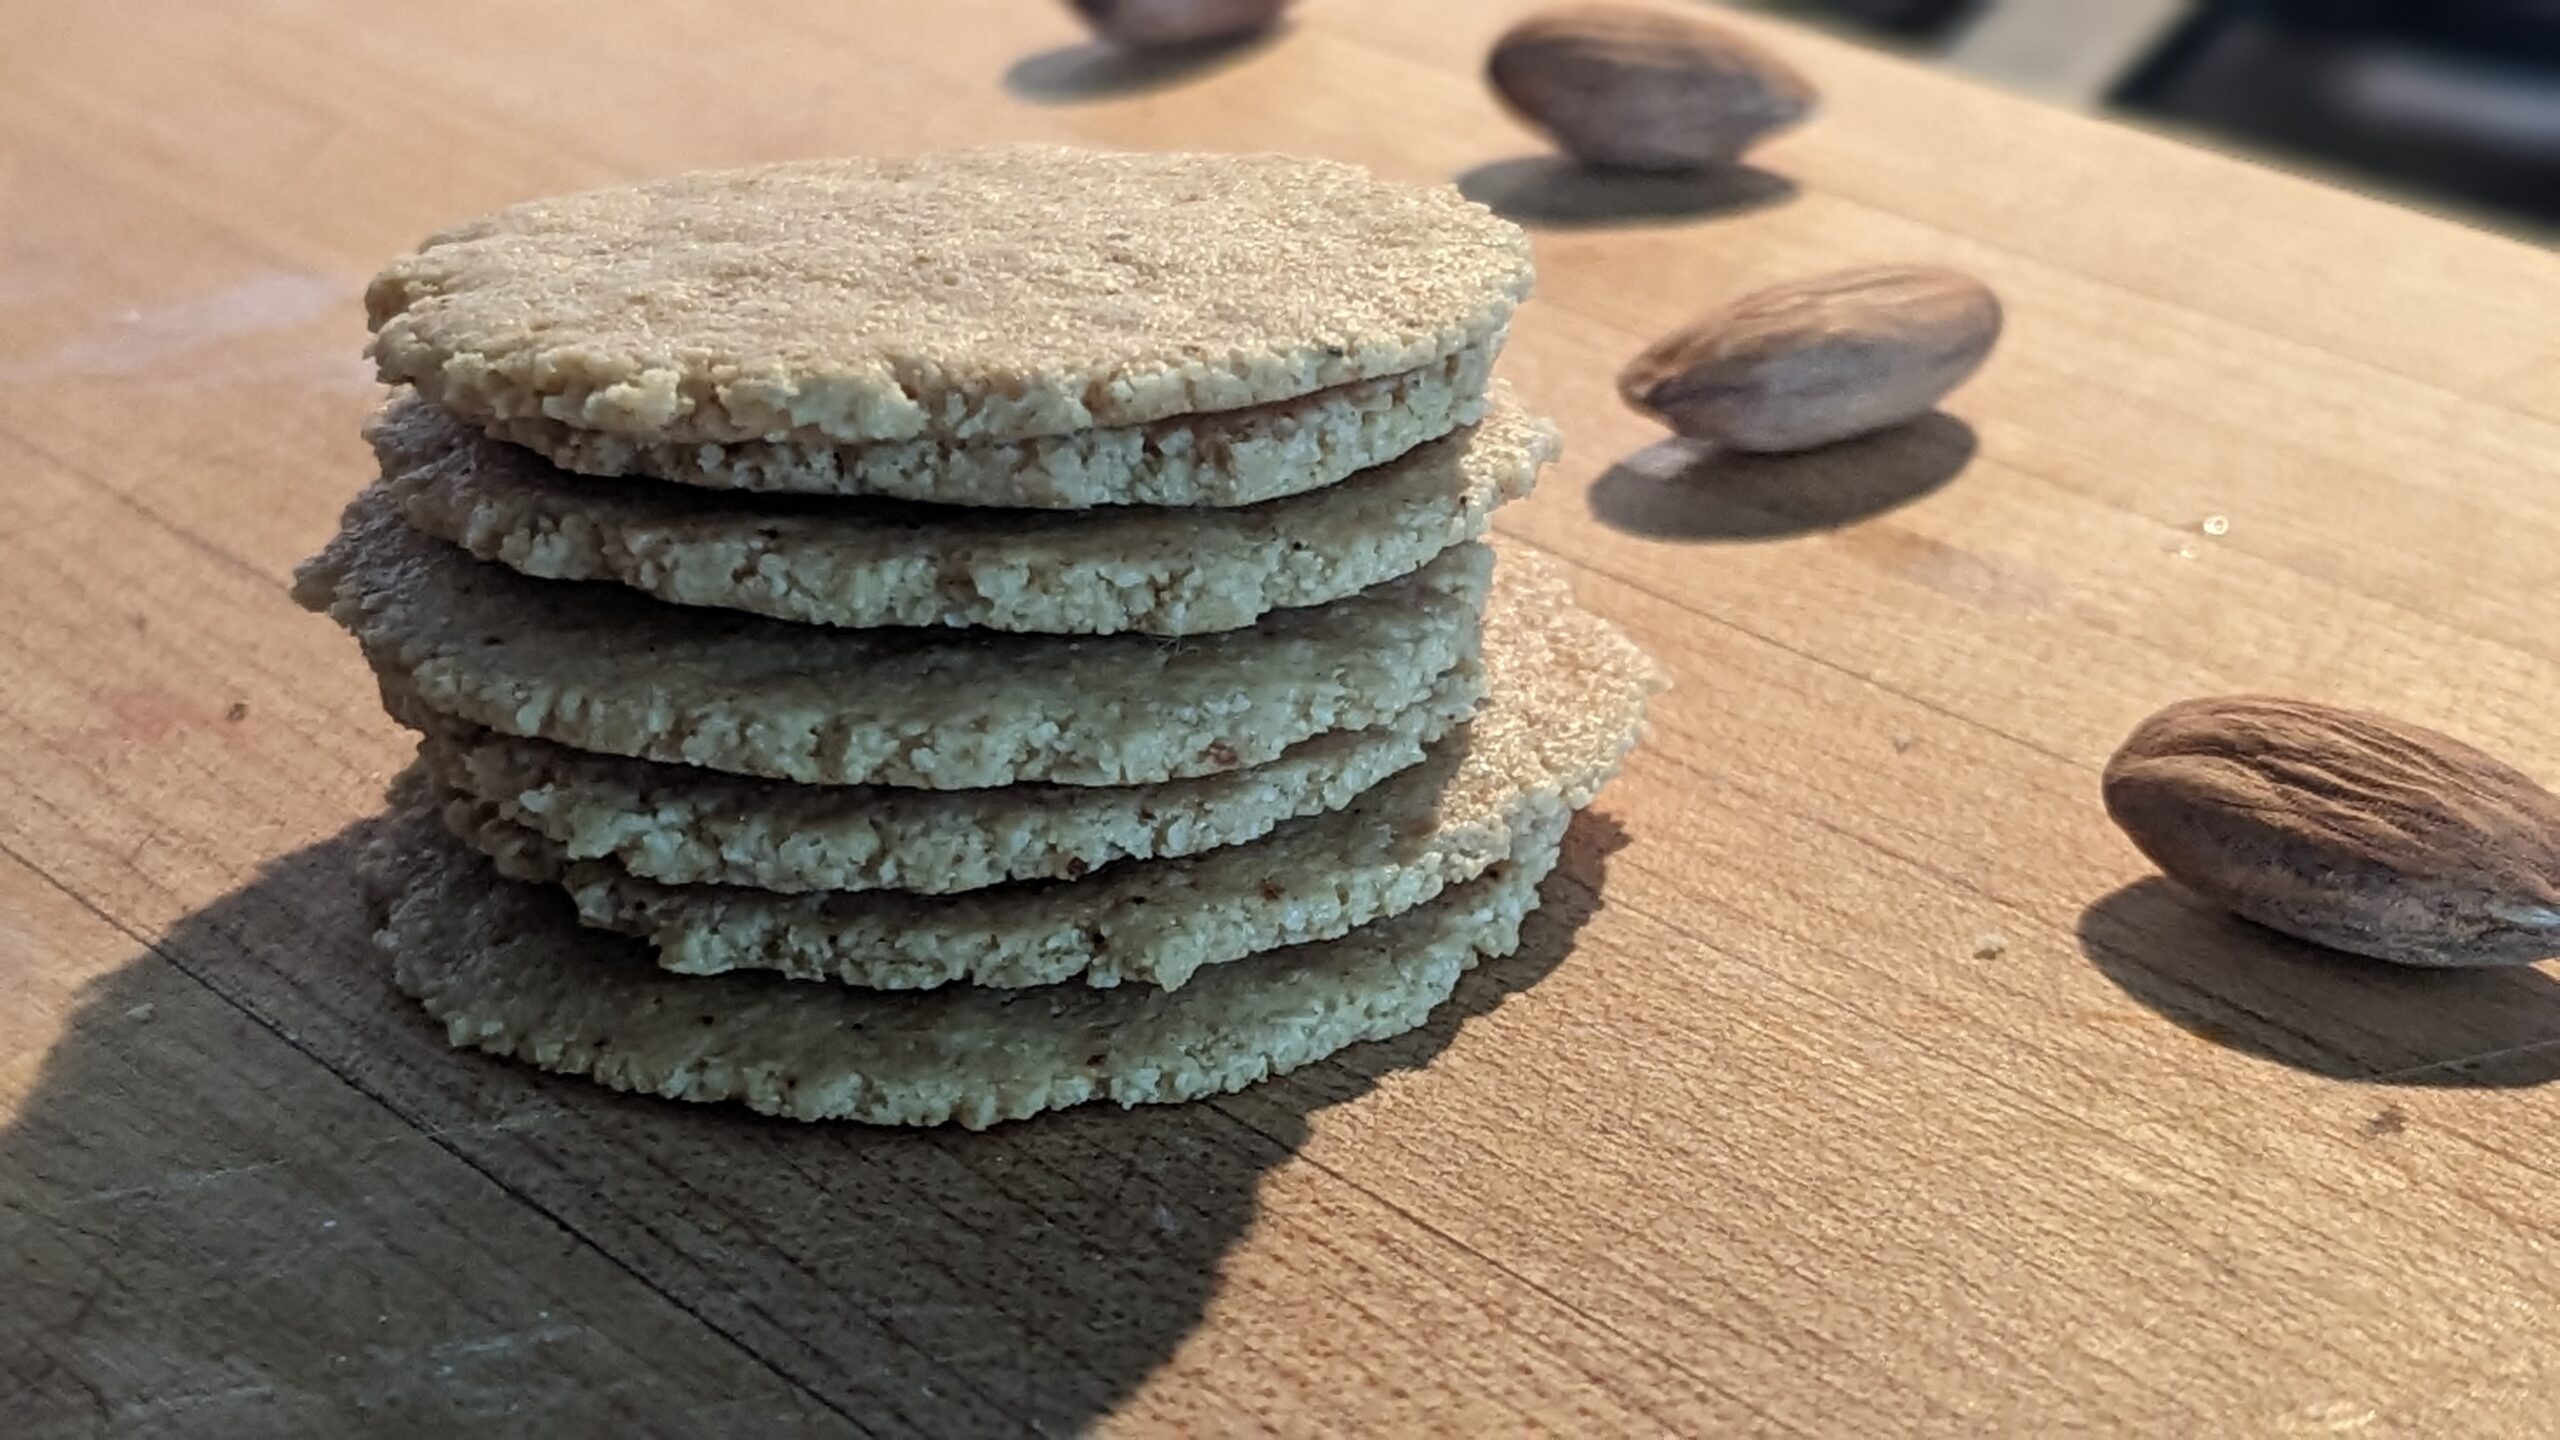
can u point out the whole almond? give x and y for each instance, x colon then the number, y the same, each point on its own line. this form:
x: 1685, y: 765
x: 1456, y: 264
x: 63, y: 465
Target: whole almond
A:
x: 1822, y: 360
x: 1165, y: 24
x: 1644, y: 89
x: 2346, y: 828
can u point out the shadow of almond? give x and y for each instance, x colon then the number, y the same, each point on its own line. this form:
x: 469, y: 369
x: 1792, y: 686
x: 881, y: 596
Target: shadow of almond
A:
x: 1556, y: 192
x: 1690, y: 490
x: 1091, y: 71
x: 358, y: 1227
x: 2253, y: 990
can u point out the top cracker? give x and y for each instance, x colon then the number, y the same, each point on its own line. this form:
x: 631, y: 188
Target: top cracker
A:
x: 998, y: 294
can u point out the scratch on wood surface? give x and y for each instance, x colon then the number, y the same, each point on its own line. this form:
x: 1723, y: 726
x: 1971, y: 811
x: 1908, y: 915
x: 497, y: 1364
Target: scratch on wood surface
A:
x: 2335, y: 1417
x: 182, y: 1182
x: 161, y: 339
x: 166, y: 1406
x: 175, y: 1183
x: 504, y: 1342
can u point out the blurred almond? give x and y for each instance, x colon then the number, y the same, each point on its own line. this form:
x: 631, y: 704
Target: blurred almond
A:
x: 1819, y: 361
x: 1164, y: 24
x: 1644, y: 89
x: 2345, y: 828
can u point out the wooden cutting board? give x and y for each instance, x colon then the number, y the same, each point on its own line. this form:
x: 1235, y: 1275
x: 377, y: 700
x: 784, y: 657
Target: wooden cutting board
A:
x: 1854, y: 1081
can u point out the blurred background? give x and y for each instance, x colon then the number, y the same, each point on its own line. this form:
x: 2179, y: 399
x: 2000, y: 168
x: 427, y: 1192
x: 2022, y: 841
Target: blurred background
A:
x: 2453, y: 105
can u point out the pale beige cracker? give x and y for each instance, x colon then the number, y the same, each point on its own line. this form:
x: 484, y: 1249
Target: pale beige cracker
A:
x: 1565, y: 703
x: 1150, y: 923
x: 681, y: 825
x: 1000, y: 293
x: 506, y: 968
x: 1227, y: 457
x: 880, y: 563
x: 602, y: 669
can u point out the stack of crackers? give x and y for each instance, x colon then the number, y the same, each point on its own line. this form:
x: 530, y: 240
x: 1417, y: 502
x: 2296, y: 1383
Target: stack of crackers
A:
x: 935, y: 640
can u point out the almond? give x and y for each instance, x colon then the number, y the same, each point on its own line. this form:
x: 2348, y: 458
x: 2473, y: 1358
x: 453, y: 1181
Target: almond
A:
x: 2349, y: 829
x: 1822, y: 360
x: 1644, y: 89
x: 1164, y: 24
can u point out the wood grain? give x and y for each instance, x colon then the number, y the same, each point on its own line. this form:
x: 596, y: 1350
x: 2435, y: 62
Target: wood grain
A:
x: 1855, y: 1079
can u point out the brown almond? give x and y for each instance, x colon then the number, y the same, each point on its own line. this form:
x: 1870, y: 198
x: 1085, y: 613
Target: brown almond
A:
x: 2345, y: 828
x: 1822, y: 360
x: 1167, y: 24
x: 1644, y: 89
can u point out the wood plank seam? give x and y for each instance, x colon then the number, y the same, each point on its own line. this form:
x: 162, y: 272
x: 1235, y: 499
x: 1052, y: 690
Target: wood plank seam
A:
x: 440, y: 1137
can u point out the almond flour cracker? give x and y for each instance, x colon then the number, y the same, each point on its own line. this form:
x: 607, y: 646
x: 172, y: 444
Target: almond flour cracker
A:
x: 1566, y: 700
x: 856, y: 563
x: 1228, y: 457
x: 683, y: 825
x: 1560, y: 718
x: 602, y: 669
x: 506, y: 968
x: 1003, y: 293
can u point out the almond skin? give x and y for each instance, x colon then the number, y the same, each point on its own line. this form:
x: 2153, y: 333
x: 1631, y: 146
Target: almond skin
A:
x: 1170, y: 24
x: 1819, y: 361
x: 2345, y: 828
x: 1643, y: 89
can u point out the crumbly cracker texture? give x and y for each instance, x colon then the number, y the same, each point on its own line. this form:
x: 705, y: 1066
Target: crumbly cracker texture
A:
x: 1002, y: 293
x: 1566, y: 699
x: 1227, y: 457
x: 600, y: 668
x: 506, y: 968
x: 681, y: 825
x: 861, y: 564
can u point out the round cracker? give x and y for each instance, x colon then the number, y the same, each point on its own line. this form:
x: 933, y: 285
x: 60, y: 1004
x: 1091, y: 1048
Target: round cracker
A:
x: 1231, y: 457
x: 507, y: 969
x: 1150, y: 923
x: 600, y: 669
x: 859, y: 564
x: 999, y: 293
x: 681, y: 825
x: 1566, y: 702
